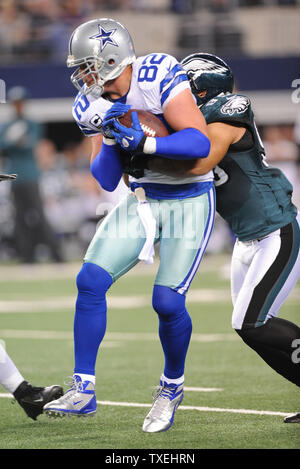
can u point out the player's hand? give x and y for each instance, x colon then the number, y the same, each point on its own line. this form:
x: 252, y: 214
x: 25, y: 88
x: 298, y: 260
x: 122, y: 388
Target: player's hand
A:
x: 130, y: 138
x: 117, y: 110
x: 134, y: 164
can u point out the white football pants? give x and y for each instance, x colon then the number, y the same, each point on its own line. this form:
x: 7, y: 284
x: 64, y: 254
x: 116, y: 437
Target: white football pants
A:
x: 263, y: 274
x: 10, y: 377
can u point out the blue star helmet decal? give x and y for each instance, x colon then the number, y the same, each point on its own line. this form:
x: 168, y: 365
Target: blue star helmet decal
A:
x: 104, y: 37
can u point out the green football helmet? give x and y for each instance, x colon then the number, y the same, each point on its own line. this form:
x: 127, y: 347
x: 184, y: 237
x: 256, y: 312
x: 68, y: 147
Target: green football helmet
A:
x: 207, y: 72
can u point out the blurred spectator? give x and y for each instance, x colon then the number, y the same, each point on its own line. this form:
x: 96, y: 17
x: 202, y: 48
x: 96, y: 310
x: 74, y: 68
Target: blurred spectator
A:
x: 183, y: 6
x: 74, y: 202
x: 220, y: 6
x: 18, y: 140
x: 288, y: 2
x: 95, y: 201
x: 38, y: 30
x: 55, y: 184
x: 251, y: 3
x: 14, y: 30
x: 120, y: 5
x: 282, y: 152
x: 40, y: 20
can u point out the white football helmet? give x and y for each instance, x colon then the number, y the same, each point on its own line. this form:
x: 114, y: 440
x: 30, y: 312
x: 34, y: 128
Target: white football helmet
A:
x: 101, y: 48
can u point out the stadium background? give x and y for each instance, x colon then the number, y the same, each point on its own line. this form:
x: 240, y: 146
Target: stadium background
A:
x: 260, y: 39
x: 232, y: 399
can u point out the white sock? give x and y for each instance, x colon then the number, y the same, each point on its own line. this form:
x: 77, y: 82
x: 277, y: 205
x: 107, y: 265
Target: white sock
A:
x: 10, y: 377
x: 84, y: 377
x: 172, y: 381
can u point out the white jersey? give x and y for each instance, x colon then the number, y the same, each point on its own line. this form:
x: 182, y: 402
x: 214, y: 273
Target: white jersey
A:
x: 156, y: 80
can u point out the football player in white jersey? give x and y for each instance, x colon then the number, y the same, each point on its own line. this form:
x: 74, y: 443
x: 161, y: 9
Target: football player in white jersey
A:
x: 31, y: 398
x: 177, y: 212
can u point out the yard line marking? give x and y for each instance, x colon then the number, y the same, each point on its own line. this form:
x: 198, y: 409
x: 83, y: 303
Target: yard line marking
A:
x: 154, y: 336
x: 193, y: 389
x: 186, y: 407
x: 117, y: 302
x: 200, y: 409
x: 111, y: 337
x: 68, y: 270
x: 114, y: 302
x: 51, y: 335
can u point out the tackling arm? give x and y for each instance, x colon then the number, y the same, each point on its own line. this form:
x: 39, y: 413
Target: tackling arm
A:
x: 188, y: 142
x: 221, y: 137
x: 190, y: 139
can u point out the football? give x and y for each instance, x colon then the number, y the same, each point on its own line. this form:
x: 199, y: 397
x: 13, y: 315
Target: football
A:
x: 151, y: 125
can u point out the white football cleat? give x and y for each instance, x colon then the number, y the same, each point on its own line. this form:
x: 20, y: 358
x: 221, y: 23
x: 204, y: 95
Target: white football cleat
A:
x: 80, y: 400
x: 166, y: 400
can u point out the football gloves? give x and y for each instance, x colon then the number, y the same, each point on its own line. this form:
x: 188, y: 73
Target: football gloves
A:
x: 134, y: 164
x: 129, y: 138
x: 117, y: 110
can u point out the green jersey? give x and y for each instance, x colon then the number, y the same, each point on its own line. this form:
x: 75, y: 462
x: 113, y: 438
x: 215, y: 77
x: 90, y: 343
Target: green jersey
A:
x: 18, y: 139
x: 253, y: 197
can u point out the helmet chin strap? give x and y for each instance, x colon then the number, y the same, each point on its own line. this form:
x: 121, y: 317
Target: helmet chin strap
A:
x: 96, y: 91
x: 98, y: 88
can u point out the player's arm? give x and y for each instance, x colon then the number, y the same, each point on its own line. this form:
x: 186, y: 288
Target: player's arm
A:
x: 182, y: 113
x: 221, y: 136
x: 189, y: 140
x: 96, y: 146
x: 105, y: 162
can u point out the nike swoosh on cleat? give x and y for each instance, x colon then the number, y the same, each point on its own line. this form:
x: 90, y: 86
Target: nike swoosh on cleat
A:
x: 77, y: 402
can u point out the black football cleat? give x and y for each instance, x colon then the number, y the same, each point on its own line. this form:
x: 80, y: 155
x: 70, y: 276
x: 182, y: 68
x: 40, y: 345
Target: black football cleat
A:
x: 7, y: 177
x: 33, y: 399
x: 293, y: 418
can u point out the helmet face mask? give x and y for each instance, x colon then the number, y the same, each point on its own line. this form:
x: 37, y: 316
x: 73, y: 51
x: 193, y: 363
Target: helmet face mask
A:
x: 100, y: 49
x: 86, y: 77
x: 207, y: 72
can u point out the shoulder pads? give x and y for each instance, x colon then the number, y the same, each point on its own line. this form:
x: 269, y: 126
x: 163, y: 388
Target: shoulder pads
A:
x: 230, y: 108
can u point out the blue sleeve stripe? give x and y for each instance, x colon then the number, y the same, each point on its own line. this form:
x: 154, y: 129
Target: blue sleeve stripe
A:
x: 88, y: 132
x: 176, y: 81
x: 77, y: 97
x: 170, y: 83
x: 83, y: 127
x: 170, y: 76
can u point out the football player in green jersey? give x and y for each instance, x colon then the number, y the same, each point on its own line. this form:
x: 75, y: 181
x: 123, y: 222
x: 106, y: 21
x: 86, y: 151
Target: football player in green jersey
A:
x: 255, y: 199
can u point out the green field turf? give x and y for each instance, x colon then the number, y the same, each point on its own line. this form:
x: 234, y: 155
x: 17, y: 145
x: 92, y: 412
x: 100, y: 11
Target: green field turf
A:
x: 36, y: 321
